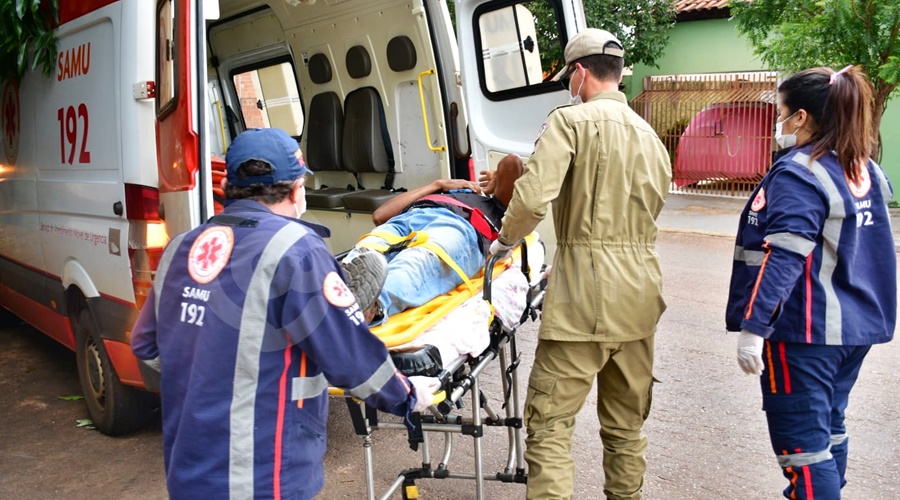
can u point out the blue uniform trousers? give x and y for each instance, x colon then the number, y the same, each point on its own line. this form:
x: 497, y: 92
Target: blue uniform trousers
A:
x: 805, y: 390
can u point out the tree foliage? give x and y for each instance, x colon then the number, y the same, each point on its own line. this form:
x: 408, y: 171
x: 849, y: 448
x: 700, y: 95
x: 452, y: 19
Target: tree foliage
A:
x: 641, y: 25
x: 26, y: 37
x: 791, y: 35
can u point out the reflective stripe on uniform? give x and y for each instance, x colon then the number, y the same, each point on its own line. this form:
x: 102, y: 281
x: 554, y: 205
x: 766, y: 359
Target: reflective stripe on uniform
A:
x: 308, y: 387
x: 885, y: 188
x: 837, y: 439
x: 792, y: 242
x: 376, y: 381
x: 749, y: 257
x: 163, y: 268
x: 831, y: 233
x: 801, y: 459
x: 246, y: 369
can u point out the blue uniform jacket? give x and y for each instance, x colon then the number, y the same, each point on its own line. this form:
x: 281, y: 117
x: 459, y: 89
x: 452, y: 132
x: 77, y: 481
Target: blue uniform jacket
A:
x: 814, y: 260
x: 250, y: 325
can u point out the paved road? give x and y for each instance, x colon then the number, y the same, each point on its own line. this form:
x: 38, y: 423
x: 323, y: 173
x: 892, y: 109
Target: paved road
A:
x: 707, y: 434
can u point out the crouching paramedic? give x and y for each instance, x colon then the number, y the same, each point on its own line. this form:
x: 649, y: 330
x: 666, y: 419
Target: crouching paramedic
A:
x: 251, y: 320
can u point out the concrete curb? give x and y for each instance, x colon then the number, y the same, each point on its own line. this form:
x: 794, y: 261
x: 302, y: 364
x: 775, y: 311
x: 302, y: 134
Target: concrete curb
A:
x: 695, y: 232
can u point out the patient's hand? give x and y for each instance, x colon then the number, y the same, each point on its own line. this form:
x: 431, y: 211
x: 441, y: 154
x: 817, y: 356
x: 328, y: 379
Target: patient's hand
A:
x: 487, y: 181
x: 447, y: 185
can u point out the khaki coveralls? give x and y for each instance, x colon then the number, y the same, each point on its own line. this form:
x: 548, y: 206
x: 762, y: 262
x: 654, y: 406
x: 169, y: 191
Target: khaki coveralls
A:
x: 607, y: 174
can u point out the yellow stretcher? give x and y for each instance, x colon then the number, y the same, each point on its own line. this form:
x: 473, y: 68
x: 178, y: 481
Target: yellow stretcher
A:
x: 459, y: 377
x: 405, y: 326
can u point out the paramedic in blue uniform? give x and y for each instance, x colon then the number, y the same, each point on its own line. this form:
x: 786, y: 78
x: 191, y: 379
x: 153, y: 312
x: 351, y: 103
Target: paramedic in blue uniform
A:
x: 461, y: 217
x: 251, y: 320
x: 813, y: 285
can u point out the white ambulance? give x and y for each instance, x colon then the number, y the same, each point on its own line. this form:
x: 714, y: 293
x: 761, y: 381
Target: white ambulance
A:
x: 121, y: 148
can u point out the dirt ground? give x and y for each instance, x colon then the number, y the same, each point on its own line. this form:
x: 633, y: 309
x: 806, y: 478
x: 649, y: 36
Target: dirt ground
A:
x: 707, y: 433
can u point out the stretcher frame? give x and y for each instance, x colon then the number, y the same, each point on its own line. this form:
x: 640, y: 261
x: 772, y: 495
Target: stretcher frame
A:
x: 459, y: 378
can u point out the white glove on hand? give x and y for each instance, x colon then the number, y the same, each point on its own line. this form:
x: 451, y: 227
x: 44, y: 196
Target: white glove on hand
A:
x: 749, y: 353
x: 499, y: 248
x: 425, y: 388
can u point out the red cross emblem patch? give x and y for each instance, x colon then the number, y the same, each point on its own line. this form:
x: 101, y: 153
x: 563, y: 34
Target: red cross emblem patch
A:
x: 336, y: 292
x: 209, y: 253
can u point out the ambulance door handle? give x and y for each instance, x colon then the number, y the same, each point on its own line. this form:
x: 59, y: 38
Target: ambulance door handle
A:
x: 117, y: 208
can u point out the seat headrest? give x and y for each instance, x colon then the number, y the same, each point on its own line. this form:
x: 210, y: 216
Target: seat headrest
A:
x: 319, y: 68
x: 359, y: 64
x: 401, y: 53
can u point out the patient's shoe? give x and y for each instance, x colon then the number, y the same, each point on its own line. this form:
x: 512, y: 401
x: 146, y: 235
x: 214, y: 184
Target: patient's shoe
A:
x: 365, y: 271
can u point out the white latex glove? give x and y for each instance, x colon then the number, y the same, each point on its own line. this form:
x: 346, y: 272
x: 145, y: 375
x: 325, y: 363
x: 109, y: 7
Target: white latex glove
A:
x: 749, y: 353
x: 425, y: 388
x: 499, y: 248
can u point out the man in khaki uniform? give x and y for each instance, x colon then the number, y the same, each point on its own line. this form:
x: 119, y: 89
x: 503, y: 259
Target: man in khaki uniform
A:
x: 606, y: 173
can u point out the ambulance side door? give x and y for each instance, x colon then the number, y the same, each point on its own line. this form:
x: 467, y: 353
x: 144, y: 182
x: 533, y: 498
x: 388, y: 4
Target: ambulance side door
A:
x: 509, y: 51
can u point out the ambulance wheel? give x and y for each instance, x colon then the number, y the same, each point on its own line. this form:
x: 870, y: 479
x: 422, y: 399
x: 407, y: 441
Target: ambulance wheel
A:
x: 114, y: 408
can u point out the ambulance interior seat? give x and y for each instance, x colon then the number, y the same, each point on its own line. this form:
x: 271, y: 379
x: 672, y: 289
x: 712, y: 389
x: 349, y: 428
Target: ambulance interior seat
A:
x: 366, y: 143
x: 325, y: 125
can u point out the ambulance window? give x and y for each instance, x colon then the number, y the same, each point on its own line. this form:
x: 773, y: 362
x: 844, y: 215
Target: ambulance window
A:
x: 165, y: 56
x: 521, y: 44
x: 269, y: 97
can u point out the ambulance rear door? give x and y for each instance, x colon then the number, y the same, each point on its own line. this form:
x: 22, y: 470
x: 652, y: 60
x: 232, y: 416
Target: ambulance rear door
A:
x: 509, y: 50
x: 182, y: 141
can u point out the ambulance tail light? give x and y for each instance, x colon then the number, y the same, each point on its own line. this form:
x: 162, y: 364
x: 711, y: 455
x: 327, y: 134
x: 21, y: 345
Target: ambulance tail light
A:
x: 147, y: 238
x: 141, y: 202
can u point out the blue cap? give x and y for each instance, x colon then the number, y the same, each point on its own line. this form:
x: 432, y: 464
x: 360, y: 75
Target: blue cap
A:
x: 270, y: 145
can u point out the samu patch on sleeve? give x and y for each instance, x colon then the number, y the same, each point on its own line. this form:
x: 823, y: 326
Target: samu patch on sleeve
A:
x: 336, y: 292
x: 759, y: 201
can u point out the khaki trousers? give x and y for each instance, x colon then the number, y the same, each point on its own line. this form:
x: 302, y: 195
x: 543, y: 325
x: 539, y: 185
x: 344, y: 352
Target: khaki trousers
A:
x: 561, y: 378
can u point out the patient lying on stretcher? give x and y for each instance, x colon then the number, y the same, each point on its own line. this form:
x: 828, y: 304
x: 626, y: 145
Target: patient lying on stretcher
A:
x: 429, y: 237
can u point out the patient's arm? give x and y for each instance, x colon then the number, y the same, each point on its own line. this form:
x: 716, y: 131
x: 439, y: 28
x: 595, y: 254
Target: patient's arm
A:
x: 396, y: 204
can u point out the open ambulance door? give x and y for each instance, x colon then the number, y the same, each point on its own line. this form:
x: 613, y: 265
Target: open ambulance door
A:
x: 182, y: 147
x: 509, y: 50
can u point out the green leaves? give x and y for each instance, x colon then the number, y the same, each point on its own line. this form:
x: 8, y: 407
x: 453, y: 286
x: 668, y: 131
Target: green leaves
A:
x: 26, y: 37
x: 641, y: 25
x: 790, y: 35
x: 75, y: 397
x: 85, y: 423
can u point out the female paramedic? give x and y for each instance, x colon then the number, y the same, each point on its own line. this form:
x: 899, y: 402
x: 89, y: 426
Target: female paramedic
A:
x: 813, y: 283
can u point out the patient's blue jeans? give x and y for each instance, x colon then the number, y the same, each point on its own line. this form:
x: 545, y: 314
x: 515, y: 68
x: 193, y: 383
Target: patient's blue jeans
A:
x: 415, y: 275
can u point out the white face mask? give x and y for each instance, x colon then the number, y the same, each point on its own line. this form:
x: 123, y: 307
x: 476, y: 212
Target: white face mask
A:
x: 576, y: 98
x: 785, y: 140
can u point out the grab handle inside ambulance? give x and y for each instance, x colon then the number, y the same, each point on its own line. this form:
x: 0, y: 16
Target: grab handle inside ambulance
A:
x: 425, y: 114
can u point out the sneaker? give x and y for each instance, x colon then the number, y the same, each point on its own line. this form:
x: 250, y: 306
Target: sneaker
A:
x: 365, y: 273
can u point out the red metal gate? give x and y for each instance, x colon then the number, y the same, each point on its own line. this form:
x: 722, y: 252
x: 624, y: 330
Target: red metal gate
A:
x: 718, y: 128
